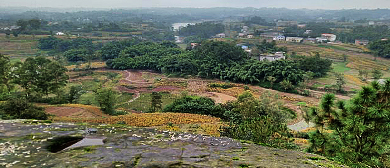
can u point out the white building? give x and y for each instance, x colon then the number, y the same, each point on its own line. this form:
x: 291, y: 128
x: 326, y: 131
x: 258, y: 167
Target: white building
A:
x: 193, y: 45
x: 221, y: 35
x: 308, y: 32
x: 294, y: 39
x: 275, y: 57
x: 329, y: 37
x: 245, y: 29
x: 241, y: 35
x: 279, y: 38
x: 60, y: 34
x: 321, y: 40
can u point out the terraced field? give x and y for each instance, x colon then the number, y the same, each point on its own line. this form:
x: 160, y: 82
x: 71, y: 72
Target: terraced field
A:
x: 357, y: 59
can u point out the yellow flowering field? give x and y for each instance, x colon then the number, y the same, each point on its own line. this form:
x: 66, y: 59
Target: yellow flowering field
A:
x: 146, y: 119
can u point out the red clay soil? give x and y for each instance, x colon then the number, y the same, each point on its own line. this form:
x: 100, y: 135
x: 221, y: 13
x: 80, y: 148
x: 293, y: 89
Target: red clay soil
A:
x: 64, y: 111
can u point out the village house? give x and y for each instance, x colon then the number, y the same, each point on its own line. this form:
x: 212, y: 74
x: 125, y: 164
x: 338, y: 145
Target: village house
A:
x: 294, y: 39
x: 361, y: 42
x: 329, y: 37
x: 270, y: 34
x: 273, y: 57
x: 11, y: 28
x: 310, y: 40
x: 246, y: 49
x: 221, y: 35
x: 60, y: 34
x: 245, y: 29
x: 193, y: 45
x: 279, y: 38
x: 250, y: 36
x: 241, y: 35
x: 179, y: 39
x: 322, y: 40
x: 308, y: 32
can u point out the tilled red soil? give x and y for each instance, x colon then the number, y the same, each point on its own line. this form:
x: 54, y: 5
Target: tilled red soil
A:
x: 69, y: 112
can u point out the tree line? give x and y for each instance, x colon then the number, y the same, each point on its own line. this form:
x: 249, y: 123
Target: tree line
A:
x: 212, y: 59
x: 202, y: 30
x: 37, y: 77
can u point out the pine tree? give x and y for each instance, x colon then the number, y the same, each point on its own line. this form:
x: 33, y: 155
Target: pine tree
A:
x: 359, y: 130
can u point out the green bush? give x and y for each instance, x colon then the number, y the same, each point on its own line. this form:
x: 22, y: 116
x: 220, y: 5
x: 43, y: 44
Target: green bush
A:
x: 261, y: 130
x: 262, y: 122
x: 21, y: 109
x: 194, y: 105
x: 107, y: 99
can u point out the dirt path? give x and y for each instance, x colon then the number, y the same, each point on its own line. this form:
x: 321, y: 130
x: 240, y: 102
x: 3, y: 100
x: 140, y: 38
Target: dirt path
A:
x: 134, y: 78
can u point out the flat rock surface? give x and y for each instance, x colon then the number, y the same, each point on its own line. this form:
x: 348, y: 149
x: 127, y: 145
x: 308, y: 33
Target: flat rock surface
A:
x: 23, y: 145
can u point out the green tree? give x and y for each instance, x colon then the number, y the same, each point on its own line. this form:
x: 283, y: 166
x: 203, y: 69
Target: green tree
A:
x: 258, y: 121
x: 35, y: 24
x: 15, y: 33
x: 5, y: 72
x: 194, y: 105
x: 75, y: 55
x: 156, y: 103
x: 306, y: 78
x: 21, y: 109
x: 106, y: 98
x: 363, y: 74
x: 377, y: 74
x: 40, y: 76
x: 360, y: 130
x: 272, y: 80
x: 345, y: 57
x: 74, y: 93
x: 286, y: 85
x: 23, y: 24
x: 111, y: 50
x: 315, y: 64
x: 340, y: 81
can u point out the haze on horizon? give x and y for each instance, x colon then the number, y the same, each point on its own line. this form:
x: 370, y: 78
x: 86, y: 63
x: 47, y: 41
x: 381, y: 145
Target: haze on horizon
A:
x: 291, y: 4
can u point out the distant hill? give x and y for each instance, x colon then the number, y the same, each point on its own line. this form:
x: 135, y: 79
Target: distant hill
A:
x: 192, y: 14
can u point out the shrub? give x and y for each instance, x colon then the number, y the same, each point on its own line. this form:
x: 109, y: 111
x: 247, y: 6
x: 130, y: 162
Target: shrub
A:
x: 262, y: 121
x: 194, y: 105
x: 106, y: 98
x: 260, y: 130
x: 21, y: 109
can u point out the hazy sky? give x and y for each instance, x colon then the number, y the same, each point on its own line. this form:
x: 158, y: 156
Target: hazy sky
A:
x: 311, y: 4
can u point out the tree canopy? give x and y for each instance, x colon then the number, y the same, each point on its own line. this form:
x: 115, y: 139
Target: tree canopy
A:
x: 360, y: 127
x: 381, y: 48
x: 203, y: 30
x: 40, y: 76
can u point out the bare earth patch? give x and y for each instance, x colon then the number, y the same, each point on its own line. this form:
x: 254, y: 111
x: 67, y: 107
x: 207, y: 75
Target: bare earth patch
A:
x: 75, y: 111
x: 219, y: 97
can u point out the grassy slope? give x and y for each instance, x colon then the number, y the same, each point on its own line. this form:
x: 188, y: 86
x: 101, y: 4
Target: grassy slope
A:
x: 356, y: 60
